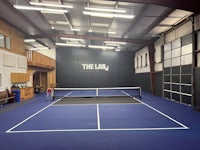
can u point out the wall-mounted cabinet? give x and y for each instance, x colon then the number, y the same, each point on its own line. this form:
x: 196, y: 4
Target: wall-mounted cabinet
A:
x: 19, y: 78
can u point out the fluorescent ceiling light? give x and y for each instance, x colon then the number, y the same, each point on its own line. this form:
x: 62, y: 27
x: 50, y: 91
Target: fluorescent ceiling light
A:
x: 75, y: 29
x: 29, y: 40
x: 117, y: 50
x: 115, y: 42
x: 52, y: 12
x: 100, y: 47
x: 105, y: 10
x: 108, y: 15
x: 71, y: 39
x: 51, y: 5
x: 62, y: 22
x: 70, y: 44
x: 59, y: 22
x: 111, y: 32
x: 112, y: 44
x: 90, y: 30
x: 100, y: 25
x: 39, y: 8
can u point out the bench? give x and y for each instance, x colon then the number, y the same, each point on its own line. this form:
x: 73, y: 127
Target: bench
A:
x: 6, y: 97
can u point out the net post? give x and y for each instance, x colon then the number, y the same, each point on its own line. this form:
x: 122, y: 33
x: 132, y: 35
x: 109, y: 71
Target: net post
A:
x: 140, y: 92
x: 97, y: 92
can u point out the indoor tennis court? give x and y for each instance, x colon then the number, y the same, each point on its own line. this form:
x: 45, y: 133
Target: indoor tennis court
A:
x: 99, y: 75
x: 55, y: 124
x: 116, y: 113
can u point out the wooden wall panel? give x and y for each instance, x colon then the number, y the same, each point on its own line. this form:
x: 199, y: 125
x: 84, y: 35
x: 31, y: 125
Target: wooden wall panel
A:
x: 17, y: 38
x: 51, y: 78
x: 17, y: 42
x: 5, y: 28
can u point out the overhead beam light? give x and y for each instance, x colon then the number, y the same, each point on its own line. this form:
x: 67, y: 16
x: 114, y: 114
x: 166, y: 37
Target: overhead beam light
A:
x: 70, y: 45
x: 29, y: 40
x: 108, y: 15
x: 100, y: 24
x: 75, y: 29
x: 23, y: 7
x: 117, y: 50
x: 100, y: 47
x: 111, y: 32
x: 115, y: 42
x: 51, y: 5
x: 105, y: 10
x: 52, y: 12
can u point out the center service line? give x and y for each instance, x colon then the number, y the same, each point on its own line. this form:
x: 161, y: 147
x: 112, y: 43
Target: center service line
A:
x: 98, y: 118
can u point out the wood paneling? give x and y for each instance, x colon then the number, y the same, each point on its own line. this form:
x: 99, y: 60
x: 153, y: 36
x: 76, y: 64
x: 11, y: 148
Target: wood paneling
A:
x: 36, y: 59
x: 19, y: 78
x: 16, y: 38
x: 26, y: 93
x: 5, y: 28
x: 17, y: 42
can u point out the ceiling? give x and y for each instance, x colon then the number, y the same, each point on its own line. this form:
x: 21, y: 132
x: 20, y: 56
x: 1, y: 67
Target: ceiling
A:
x: 148, y: 19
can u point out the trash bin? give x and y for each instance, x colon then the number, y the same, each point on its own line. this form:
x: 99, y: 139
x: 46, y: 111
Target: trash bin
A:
x: 17, y: 95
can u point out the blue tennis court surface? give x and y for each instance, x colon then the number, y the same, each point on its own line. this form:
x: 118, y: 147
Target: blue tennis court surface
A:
x: 154, y: 123
x: 91, y: 117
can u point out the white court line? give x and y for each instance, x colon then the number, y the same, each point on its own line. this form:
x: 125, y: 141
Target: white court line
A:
x: 34, y: 114
x: 98, y: 118
x: 170, y: 118
x: 66, y: 105
x: 95, y: 130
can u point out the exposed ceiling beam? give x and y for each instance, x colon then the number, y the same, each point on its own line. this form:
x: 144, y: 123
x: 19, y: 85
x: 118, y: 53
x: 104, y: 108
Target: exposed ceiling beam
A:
x: 165, y: 14
x: 128, y: 40
x: 134, y: 21
x: 176, y: 4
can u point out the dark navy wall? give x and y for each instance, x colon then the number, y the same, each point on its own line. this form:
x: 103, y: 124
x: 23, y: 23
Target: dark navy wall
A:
x: 158, y: 85
x: 143, y: 80
x: 197, y: 87
x: 70, y: 72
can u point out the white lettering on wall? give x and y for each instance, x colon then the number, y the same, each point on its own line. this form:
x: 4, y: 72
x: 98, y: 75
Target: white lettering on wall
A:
x: 95, y: 67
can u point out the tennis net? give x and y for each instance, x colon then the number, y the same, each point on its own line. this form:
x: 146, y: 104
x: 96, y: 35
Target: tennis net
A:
x: 97, y: 92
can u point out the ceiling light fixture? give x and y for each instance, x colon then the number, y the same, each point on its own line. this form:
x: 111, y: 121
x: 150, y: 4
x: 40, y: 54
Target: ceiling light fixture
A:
x: 23, y: 7
x: 52, y: 12
x: 75, y: 29
x: 100, y: 24
x: 29, y: 40
x: 51, y: 5
x: 105, y: 10
x: 111, y: 32
x: 117, y: 50
x: 62, y: 22
x: 115, y: 42
x: 70, y: 45
x: 71, y: 39
x: 100, y: 47
x: 108, y: 15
